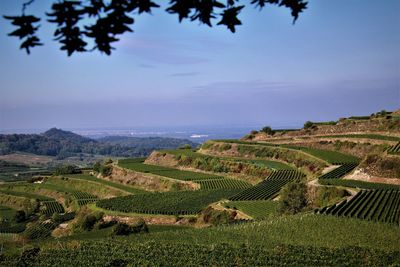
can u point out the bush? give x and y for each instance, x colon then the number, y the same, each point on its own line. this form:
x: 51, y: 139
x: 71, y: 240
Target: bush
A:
x: 86, y: 219
x: 125, y: 229
x: 106, y: 170
x: 293, y: 198
x: 67, y: 169
x: 185, y: 146
x: 20, y: 216
x: 308, y: 124
x: 218, y: 217
x: 268, y: 130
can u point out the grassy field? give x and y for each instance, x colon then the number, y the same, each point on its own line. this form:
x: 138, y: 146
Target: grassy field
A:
x: 118, y: 186
x: 259, y: 210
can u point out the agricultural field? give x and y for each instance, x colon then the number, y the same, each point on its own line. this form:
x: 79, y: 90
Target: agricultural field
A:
x: 170, y: 203
x: 222, y: 184
x: 6, y: 213
x: 270, y: 187
x: 51, y: 207
x: 258, y: 210
x: 340, y: 171
x: 364, y: 136
x: 357, y: 184
x: 394, y: 149
x: 165, y: 171
x: 372, y: 205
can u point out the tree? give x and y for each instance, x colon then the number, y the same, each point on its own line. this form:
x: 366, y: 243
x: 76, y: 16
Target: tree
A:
x: 268, y: 130
x: 101, y: 22
x: 308, y: 124
x: 293, y: 197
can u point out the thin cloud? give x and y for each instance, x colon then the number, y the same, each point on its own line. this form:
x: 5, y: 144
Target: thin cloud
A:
x: 184, y: 74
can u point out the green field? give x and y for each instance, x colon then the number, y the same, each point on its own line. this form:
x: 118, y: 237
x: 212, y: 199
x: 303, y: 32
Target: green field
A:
x: 119, y: 186
x: 366, y: 136
x: 295, y: 241
x: 7, y: 213
x: 259, y: 210
x: 169, y: 203
x: 357, y: 184
x: 165, y: 171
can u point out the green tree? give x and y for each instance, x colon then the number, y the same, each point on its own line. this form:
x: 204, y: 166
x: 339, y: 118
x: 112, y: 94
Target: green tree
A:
x: 308, y: 124
x: 83, y: 26
x: 268, y: 130
x: 293, y: 198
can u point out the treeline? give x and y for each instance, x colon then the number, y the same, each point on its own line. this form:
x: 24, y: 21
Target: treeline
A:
x: 63, y: 144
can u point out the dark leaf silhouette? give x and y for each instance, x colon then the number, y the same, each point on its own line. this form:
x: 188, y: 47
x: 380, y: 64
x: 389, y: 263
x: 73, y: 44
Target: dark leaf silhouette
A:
x: 26, y: 30
x: 229, y: 18
x: 101, y: 22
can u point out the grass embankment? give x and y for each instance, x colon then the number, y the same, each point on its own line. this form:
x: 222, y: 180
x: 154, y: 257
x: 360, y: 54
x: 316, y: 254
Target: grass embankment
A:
x: 118, y: 186
x: 258, y: 210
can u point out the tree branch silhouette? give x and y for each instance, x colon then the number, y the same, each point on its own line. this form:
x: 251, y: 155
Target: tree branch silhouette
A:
x: 100, y: 23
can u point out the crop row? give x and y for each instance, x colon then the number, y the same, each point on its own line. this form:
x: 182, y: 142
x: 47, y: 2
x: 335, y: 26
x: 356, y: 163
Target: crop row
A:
x: 270, y: 187
x: 169, y: 203
x: 223, y: 184
x: 394, y: 149
x: 39, y: 230
x: 374, y: 205
x: 51, y: 207
x: 119, y: 253
x: 165, y: 171
x: 340, y: 171
x: 8, y: 227
x: 358, y: 184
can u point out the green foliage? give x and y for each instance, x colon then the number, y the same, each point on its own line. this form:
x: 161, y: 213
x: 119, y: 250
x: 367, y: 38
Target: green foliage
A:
x: 106, y: 170
x: 308, y: 124
x: 67, y: 169
x: 20, y: 216
x: 293, y: 198
x: 326, y: 196
x: 217, y: 217
x: 169, y: 203
x: 86, y: 219
x: 268, y: 130
x: 39, y: 230
x: 185, y: 146
x: 125, y: 229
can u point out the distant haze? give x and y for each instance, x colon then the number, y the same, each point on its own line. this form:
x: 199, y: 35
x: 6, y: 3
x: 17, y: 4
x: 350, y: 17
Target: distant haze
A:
x: 341, y: 58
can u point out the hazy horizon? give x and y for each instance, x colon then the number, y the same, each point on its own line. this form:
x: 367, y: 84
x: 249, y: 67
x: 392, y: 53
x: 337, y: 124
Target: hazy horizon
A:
x: 341, y: 58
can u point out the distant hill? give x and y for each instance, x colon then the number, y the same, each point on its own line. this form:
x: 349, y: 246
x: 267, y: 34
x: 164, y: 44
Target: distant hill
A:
x: 63, y: 144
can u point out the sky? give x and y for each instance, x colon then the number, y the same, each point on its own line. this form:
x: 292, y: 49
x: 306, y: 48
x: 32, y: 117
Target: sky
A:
x: 341, y: 58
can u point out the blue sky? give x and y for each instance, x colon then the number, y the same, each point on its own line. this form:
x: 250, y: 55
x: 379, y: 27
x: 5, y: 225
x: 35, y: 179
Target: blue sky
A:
x: 341, y: 58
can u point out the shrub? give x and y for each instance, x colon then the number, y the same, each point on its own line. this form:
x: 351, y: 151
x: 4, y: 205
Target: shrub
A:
x: 293, y: 198
x: 67, y: 169
x: 268, y: 130
x: 106, y: 170
x: 20, y: 216
x: 217, y: 217
x: 125, y: 229
x: 308, y: 124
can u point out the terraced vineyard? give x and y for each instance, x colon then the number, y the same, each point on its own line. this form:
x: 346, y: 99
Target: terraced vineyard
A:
x: 259, y: 210
x: 395, y: 149
x: 374, y: 205
x: 340, y: 171
x: 40, y: 230
x: 366, y: 136
x: 358, y: 184
x: 223, y: 184
x: 270, y: 187
x: 133, y: 164
x: 52, y: 207
x: 119, y: 186
x: 169, y: 203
